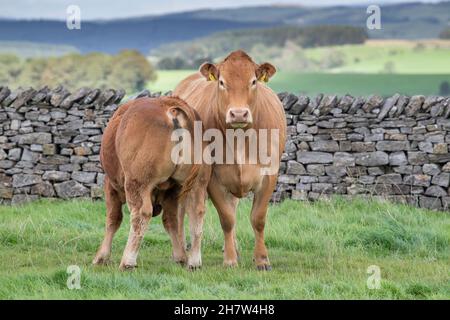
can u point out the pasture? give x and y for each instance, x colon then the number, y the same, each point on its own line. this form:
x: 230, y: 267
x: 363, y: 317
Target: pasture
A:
x: 330, y: 83
x: 318, y: 251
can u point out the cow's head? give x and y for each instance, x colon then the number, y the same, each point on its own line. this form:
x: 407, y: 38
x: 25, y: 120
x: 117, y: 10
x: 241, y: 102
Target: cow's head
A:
x: 238, y: 79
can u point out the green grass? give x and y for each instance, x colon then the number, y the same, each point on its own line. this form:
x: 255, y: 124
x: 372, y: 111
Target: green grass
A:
x: 330, y: 83
x: 318, y: 251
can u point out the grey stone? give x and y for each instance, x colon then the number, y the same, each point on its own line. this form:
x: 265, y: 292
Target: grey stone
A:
x: 371, y: 159
x: 363, y: 146
x: 430, y: 169
x: 306, y: 157
x: 71, y: 189
x: 322, y: 187
x: 22, y: 180
x: 375, y: 171
x: 84, y: 177
x: 35, y: 138
x: 288, y: 179
x: 315, y: 169
x: 435, y: 191
x: 390, y: 178
x: 44, y: 189
x: 417, y: 158
x: 336, y: 171
x: 299, y: 195
x: 418, y: 180
x: 425, y: 146
x: 19, y: 199
x: 398, y: 158
x: 343, y: 159
x: 31, y: 156
x: 293, y: 167
x: 56, y: 176
x: 3, y: 154
x: 324, y: 145
x: 15, y: 154
x: 446, y: 167
x: 442, y: 179
x: 392, y: 145
x: 430, y: 203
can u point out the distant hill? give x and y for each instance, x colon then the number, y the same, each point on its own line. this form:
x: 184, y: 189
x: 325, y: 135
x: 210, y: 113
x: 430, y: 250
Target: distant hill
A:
x: 401, y: 21
x: 111, y: 36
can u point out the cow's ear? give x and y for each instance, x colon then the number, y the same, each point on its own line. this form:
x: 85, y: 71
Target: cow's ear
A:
x: 265, y: 71
x: 209, y: 71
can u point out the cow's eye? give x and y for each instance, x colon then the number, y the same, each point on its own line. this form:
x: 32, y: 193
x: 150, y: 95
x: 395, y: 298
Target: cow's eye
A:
x: 221, y: 83
x: 254, y: 82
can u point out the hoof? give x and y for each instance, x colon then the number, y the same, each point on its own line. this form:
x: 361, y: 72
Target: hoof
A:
x: 181, y: 262
x: 264, y: 267
x: 101, y: 261
x: 194, y: 267
x: 230, y: 264
x: 127, y: 267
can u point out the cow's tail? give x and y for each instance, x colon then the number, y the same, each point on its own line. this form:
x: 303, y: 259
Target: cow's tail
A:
x: 191, y: 115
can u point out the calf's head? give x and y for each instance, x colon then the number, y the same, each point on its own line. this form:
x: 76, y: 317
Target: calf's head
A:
x: 237, y: 80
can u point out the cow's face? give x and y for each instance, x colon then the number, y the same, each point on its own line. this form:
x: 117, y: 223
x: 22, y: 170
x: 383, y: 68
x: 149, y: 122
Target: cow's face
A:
x: 237, y: 79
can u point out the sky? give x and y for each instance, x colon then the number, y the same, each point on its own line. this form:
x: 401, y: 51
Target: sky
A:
x: 109, y: 9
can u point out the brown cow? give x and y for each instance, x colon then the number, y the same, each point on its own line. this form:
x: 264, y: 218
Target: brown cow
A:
x: 228, y: 95
x: 136, y: 157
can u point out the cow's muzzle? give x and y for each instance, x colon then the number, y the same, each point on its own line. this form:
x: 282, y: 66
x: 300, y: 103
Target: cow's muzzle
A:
x: 239, y: 117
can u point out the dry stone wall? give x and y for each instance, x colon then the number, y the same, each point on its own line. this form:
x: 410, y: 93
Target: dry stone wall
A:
x: 50, y: 142
x: 395, y: 147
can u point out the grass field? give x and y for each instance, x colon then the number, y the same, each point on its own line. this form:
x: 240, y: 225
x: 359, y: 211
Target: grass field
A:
x: 331, y: 83
x: 406, y: 57
x: 382, y: 67
x: 318, y: 251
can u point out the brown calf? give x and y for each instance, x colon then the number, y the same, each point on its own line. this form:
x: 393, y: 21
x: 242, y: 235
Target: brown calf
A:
x: 229, y: 95
x: 136, y: 157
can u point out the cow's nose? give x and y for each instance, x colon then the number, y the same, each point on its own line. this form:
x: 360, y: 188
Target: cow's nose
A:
x: 239, y: 115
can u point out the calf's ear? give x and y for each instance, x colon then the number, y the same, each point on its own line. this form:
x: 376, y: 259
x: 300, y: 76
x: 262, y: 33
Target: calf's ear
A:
x: 265, y: 71
x: 209, y: 71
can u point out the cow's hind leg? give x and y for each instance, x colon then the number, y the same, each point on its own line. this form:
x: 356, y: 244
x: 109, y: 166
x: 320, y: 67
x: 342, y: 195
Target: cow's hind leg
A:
x: 113, y: 221
x: 196, y: 210
x: 170, y: 219
x: 141, y: 210
x: 258, y: 219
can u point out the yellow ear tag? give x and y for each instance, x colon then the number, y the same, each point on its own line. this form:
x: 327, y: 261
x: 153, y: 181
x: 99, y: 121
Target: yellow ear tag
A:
x: 263, y: 78
x: 212, y: 77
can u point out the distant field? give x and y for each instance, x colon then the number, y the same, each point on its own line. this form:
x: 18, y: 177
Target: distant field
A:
x: 341, y: 83
x: 389, y: 56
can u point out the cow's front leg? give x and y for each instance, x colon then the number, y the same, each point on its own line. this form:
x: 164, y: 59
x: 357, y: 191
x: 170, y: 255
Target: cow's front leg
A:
x: 258, y: 219
x: 225, y: 204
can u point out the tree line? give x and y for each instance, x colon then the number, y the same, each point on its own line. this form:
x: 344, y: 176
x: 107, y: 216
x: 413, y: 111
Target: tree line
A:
x: 128, y: 69
x: 185, y: 55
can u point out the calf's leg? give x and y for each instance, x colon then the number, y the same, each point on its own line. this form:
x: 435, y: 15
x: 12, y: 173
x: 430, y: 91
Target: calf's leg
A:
x: 140, y: 203
x: 170, y: 221
x: 196, y: 209
x: 113, y: 220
